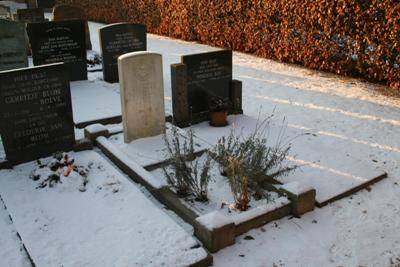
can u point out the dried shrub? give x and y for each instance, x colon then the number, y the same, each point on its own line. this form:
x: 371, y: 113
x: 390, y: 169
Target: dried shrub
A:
x: 184, y: 172
x: 356, y: 38
x: 250, y: 164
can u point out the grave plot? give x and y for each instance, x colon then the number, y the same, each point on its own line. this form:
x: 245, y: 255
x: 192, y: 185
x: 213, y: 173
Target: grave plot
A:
x: 327, y: 172
x: 88, y: 214
x: 140, y: 146
x: 216, y: 223
x: 326, y: 163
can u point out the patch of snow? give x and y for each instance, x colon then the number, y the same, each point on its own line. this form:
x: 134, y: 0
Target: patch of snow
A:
x: 94, y: 100
x: 214, y: 220
x: 135, y: 166
x: 95, y: 128
x: 241, y: 217
x: 296, y: 187
x: 112, y: 223
x: 11, y: 249
x: 151, y: 150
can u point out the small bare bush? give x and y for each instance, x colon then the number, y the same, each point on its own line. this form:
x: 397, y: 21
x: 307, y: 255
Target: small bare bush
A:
x: 251, y: 164
x: 184, y: 172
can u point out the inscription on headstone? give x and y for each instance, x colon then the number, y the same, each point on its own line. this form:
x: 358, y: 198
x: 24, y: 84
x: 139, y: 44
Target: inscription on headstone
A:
x: 208, y: 75
x: 13, y: 53
x: 35, y: 112
x: 142, y: 94
x: 198, y: 80
x: 30, y: 15
x: 68, y: 12
x: 60, y: 41
x: 118, y: 39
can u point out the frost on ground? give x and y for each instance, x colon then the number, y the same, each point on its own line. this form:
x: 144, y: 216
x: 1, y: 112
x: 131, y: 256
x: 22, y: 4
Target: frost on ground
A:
x: 11, y: 250
x: 112, y: 223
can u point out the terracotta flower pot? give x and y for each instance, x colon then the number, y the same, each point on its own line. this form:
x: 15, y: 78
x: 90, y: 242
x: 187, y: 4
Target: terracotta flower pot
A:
x: 218, y: 118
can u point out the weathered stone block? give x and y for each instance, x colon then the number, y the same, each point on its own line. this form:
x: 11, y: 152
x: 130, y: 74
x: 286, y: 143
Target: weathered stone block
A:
x: 302, y: 197
x: 215, y: 231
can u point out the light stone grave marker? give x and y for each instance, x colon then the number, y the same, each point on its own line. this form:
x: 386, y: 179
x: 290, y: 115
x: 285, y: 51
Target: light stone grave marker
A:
x: 142, y: 94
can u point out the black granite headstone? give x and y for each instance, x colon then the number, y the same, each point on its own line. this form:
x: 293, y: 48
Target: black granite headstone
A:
x: 117, y: 39
x: 197, y: 81
x: 60, y: 41
x: 209, y: 75
x: 29, y: 15
x: 13, y: 54
x: 35, y: 112
x: 45, y: 3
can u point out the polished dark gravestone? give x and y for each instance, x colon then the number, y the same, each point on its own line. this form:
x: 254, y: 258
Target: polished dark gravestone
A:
x: 30, y: 15
x: 118, y: 39
x: 13, y: 54
x: 60, y: 41
x: 35, y: 112
x: 45, y: 3
x: 68, y: 12
x: 199, y: 79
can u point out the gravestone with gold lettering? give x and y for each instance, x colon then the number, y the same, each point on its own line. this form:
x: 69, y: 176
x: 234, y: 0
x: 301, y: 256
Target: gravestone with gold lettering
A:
x: 35, y: 112
x: 142, y: 94
x: 13, y: 52
x: 60, y: 41
x: 118, y: 39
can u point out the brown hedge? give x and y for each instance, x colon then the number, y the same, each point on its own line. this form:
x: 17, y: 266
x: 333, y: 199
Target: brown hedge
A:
x: 359, y: 38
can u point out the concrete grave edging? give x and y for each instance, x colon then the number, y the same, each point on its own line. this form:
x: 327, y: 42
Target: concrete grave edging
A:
x: 213, y: 239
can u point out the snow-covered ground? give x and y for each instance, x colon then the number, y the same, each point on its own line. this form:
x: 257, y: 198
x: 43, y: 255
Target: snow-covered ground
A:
x: 361, y: 230
x: 11, y: 249
x: 106, y: 221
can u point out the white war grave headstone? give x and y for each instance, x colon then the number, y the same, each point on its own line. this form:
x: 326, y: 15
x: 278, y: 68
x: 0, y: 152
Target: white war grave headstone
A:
x: 142, y: 94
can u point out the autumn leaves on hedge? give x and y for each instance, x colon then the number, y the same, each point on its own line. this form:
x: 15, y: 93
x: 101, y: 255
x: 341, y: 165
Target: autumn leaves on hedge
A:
x: 360, y: 38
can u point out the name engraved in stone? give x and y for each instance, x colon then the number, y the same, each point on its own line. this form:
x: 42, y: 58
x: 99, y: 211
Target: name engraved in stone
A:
x: 35, y: 112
